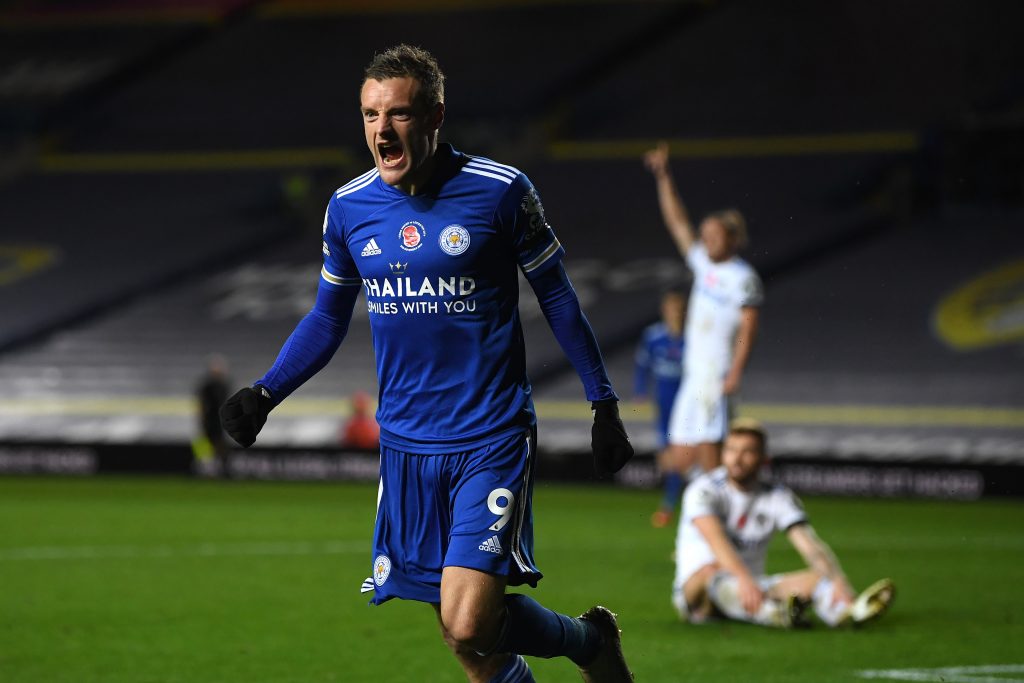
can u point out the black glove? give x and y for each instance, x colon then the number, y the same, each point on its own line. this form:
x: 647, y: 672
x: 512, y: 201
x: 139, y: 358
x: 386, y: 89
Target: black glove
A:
x: 244, y: 414
x: 608, y: 439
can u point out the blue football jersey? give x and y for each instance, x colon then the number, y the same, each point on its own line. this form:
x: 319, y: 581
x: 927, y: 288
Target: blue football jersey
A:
x: 660, y: 355
x: 440, y: 274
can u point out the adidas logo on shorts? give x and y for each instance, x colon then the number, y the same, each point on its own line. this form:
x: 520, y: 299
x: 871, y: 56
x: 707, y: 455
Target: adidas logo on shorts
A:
x: 492, y: 545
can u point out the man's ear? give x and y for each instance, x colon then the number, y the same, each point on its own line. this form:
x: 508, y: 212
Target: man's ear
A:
x: 438, y: 116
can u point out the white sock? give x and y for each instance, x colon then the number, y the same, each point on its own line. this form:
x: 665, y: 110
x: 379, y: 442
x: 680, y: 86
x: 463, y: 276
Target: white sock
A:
x: 829, y: 612
x: 723, y: 589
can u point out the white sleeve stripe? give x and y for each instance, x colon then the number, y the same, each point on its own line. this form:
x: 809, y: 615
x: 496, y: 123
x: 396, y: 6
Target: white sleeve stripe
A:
x: 547, y: 254
x: 335, y: 280
x: 353, y: 188
x: 490, y: 162
x: 357, y: 179
x: 494, y: 168
x: 467, y: 169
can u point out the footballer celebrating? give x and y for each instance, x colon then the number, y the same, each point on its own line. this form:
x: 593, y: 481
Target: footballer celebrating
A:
x: 436, y: 239
x: 729, y: 516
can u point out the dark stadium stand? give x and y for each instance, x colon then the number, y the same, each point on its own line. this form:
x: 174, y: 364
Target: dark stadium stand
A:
x: 751, y: 68
x: 117, y: 236
x: 165, y: 203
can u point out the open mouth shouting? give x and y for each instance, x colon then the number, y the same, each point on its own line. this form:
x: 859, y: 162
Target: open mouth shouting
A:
x: 391, y: 154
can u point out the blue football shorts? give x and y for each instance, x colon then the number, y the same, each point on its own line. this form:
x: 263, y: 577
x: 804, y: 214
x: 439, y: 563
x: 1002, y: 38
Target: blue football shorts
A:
x: 466, y: 509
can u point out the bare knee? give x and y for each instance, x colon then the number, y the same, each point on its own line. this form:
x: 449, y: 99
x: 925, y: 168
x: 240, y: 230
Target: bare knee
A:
x: 677, y: 458
x: 466, y: 628
x: 472, y: 608
x: 695, y: 592
x: 709, y: 456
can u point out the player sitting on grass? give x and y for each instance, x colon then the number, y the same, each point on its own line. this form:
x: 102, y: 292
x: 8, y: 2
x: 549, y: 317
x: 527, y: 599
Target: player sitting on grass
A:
x: 729, y: 516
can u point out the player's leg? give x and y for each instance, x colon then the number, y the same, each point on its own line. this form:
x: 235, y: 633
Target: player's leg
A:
x: 832, y: 609
x: 472, y: 603
x: 724, y: 592
x: 708, y: 455
x: 802, y: 583
x: 491, y: 539
x: 482, y: 625
x: 691, y: 599
x: 710, y: 429
x: 674, y: 461
x: 679, y: 455
x: 673, y: 479
x: 496, y: 668
x: 872, y: 602
x: 471, y: 623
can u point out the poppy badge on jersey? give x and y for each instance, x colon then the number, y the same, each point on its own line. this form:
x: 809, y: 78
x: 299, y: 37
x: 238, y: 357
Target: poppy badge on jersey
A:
x: 411, y: 235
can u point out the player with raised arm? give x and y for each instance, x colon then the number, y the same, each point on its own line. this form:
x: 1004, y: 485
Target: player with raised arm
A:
x: 721, y: 322
x: 729, y: 516
x: 436, y: 239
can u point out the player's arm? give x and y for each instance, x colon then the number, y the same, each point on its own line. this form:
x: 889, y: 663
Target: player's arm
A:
x: 310, y: 346
x: 561, y: 308
x: 312, y: 343
x: 819, y: 557
x: 673, y: 211
x: 539, y: 255
x: 710, y: 527
x: 743, y: 344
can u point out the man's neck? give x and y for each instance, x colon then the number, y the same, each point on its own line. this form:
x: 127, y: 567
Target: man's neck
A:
x: 747, y: 485
x: 423, y: 175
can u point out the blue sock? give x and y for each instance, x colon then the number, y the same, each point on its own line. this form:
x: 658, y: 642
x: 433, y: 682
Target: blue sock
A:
x: 515, y: 671
x: 673, y: 490
x: 532, y: 629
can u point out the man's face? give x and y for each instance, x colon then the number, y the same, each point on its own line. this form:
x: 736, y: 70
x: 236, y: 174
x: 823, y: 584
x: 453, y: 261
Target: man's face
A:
x: 717, y: 240
x: 400, y: 130
x: 673, y: 310
x: 742, y: 457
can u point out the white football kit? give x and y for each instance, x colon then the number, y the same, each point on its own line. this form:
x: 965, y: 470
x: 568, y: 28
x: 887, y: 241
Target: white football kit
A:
x: 749, y: 518
x: 720, y: 290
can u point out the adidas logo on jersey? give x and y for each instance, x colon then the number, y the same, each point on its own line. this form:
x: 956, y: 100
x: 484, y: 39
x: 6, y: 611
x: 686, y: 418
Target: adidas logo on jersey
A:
x: 371, y: 248
x: 492, y: 545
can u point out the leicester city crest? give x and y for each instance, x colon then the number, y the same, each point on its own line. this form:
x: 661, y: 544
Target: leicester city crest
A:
x: 381, y: 569
x: 454, y: 240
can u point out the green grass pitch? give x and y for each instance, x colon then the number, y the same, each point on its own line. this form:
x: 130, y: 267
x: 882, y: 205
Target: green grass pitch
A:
x: 179, y: 581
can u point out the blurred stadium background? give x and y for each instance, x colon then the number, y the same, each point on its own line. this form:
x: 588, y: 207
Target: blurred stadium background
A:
x: 164, y: 168
x: 166, y: 164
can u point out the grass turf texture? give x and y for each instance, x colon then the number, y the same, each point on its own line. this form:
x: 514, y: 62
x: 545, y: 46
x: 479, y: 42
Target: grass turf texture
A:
x: 192, y: 581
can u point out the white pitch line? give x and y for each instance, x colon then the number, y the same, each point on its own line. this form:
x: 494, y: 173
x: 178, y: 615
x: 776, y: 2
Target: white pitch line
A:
x: 296, y: 548
x: 246, y: 549
x: 950, y: 674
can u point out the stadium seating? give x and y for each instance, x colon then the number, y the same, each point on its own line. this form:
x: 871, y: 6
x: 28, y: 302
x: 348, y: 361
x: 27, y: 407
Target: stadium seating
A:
x: 171, y: 201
